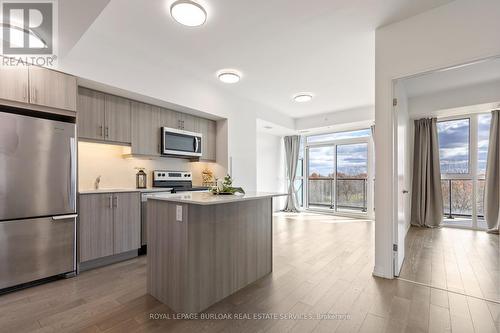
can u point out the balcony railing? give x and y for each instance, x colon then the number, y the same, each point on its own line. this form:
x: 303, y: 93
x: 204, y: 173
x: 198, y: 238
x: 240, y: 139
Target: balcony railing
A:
x: 458, y: 198
x: 350, y: 193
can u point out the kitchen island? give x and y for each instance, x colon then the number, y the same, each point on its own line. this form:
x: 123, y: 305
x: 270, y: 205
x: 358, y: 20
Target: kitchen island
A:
x: 204, y: 247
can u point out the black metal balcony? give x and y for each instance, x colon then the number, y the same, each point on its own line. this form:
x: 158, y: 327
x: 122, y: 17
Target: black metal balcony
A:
x: 349, y: 194
x: 457, y: 198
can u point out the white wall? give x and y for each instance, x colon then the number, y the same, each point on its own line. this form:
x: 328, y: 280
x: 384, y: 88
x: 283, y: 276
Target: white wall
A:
x: 460, y: 32
x: 271, y: 166
x: 363, y: 115
x: 427, y: 105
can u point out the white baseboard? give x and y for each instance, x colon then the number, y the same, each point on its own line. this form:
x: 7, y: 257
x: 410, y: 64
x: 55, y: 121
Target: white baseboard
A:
x: 379, y: 273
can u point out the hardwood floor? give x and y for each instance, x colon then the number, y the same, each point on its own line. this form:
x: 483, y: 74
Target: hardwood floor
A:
x: 322, y: 265
x: 464, y: 261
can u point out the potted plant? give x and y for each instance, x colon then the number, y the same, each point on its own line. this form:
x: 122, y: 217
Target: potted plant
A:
x: 225, y: 187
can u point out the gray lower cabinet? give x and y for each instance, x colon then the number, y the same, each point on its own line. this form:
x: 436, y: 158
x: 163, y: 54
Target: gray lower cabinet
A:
x: 127, y: 222
x: 95, y: 231
x: 109, y: 224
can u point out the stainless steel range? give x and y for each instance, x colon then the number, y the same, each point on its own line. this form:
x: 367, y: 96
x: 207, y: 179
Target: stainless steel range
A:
x: 178, y: 181
x: 37, y: 196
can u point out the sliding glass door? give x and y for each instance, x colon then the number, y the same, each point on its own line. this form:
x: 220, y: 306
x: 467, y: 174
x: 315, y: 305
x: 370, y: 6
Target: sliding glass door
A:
x: 351, y: 177
x: 337, y: 176
x: 321, y: 172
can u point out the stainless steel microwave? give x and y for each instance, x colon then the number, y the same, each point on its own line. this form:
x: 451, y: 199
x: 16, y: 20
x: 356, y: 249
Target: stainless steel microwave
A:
x: 175, y: 142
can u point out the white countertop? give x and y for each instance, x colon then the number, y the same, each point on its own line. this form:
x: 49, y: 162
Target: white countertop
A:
x: 206, y: 198
x: 117, y: 190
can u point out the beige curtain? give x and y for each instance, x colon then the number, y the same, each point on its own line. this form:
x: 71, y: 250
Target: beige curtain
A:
x: 292, y: 146
x: 427, y: 199
x: 492, y: 187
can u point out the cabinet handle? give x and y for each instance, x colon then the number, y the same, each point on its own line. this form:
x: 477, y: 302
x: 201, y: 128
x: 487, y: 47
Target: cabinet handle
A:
x: 25, y: 93
x: 100, y: 132
x: 106, y: 134
x: 110, y: 201
x: 116, y: 202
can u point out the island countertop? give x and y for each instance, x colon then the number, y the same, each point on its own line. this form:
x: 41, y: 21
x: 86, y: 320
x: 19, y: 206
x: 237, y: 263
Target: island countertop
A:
x: 206, y: 198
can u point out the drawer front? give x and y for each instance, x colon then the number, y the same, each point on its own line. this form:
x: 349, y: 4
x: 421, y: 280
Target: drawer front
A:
x: 33, y: 249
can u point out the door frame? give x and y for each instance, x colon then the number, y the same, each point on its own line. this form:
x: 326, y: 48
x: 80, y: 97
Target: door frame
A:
x: 393, y: 121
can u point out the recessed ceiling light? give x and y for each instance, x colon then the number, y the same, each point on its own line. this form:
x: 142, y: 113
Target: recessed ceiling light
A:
x: 302, y: 97
x: 229, y: 76
x: 188, y: 13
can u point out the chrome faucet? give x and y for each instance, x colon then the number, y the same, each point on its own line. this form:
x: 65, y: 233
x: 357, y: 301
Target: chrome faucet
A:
x: 97, y: 182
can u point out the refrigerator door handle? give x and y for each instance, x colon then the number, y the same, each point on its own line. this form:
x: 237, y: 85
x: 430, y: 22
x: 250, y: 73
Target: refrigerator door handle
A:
x: 64, y: 217
x: 72, y: 170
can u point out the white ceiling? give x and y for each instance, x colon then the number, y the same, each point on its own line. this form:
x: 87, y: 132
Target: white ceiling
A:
x: 463, y: 76
x: 281, y: 46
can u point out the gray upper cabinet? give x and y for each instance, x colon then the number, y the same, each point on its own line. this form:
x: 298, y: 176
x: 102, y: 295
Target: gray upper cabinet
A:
x: 145, y: 129
x: 103, y: 117
x: 14, y: 83
x: 111, y: 118
x: 117, y: 118
x: 207, y: 128
x: 39, y: 86
x: 171, y: 119
x: 90, y: 114
x: 187, y: 122
x: 211, y: 140
x: 51, y: 88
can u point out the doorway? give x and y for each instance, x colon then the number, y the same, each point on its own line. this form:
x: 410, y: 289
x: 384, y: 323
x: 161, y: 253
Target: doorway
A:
x: 458, y: 255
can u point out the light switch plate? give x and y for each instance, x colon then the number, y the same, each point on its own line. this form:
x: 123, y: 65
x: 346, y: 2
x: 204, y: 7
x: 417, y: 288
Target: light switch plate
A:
x: 178, y: 213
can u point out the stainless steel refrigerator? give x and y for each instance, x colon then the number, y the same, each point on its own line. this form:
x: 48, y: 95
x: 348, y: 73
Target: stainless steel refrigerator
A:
x: 37, y: 196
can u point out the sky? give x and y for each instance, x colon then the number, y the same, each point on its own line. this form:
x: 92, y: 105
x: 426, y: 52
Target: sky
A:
x: 453, y: 149
x: 351, y: 158
x: 454, y: 144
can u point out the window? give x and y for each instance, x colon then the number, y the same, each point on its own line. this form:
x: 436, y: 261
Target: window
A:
x: 454, y: 146
x: 339, y: 135
x: 483, y: 138
x: 483, y: 132
x: 463, y: 151
x: 337, y: 172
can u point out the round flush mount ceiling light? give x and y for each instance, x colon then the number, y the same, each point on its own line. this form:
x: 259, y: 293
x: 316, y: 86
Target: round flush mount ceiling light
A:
x: 188, y: 13
x: 229, y: 76
x: 303, y: 97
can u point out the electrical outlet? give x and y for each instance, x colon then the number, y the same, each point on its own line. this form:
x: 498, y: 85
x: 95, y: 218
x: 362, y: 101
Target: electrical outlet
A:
x: 178, y: 213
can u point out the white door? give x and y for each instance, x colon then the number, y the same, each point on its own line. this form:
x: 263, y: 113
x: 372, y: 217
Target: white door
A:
x: 401, y: 185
